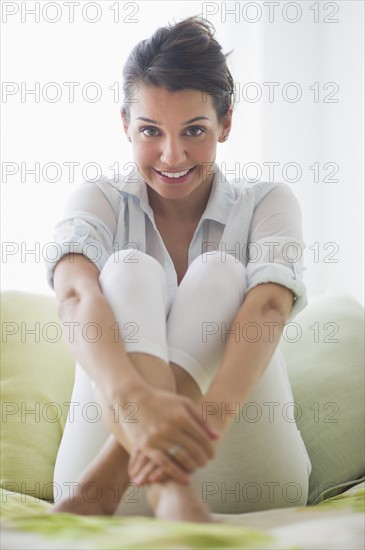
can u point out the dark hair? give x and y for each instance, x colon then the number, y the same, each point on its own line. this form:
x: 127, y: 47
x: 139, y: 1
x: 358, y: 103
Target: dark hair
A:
x: 179, y: 57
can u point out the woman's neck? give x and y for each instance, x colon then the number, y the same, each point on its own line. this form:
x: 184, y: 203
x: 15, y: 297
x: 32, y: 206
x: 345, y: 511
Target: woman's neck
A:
x: 189, y: 209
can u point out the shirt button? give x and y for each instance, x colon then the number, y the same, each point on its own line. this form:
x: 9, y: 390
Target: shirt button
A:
x: 79, y: 230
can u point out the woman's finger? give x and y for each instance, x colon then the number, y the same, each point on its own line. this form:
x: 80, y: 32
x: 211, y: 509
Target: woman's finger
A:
x: 198, y: 417
x: 189, y: 454
x: 200, y: 437
x: 143, y: 474
x: 158, y: 475
x: 136, y: 463
x: 169, y: 466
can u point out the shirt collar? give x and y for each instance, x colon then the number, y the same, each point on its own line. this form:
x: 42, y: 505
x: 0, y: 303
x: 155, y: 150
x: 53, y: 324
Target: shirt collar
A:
x: 221, y: 198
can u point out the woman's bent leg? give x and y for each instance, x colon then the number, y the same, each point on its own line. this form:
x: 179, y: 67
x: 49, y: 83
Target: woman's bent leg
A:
x: 262, y: 462
x: 143, y: 301
x: 206, y: 301
x: 84, y: 438
x: 137, y: 296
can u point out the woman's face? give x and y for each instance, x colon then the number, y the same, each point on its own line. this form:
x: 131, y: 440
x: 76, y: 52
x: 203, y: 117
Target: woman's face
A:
x: 169, y: 141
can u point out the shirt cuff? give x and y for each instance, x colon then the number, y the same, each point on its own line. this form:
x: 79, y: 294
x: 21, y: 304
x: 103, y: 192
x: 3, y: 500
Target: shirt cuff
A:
x: 74, y: 238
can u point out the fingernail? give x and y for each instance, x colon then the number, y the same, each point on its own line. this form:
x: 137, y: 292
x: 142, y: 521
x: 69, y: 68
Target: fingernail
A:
x: 137, y: 480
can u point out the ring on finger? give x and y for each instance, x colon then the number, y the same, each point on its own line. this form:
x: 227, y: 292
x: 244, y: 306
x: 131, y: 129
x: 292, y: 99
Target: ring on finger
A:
x: 173, y: 450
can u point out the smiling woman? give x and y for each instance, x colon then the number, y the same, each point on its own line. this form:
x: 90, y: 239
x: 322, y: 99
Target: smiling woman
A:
x: 176, y: 146
x: 158, y: 71
x: 183, y: 258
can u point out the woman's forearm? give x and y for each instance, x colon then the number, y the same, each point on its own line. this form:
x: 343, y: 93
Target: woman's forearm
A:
x: 94, y: 339
x: 250, y: 345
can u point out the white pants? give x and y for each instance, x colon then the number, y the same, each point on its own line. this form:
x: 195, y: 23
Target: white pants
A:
x: 262, y: 462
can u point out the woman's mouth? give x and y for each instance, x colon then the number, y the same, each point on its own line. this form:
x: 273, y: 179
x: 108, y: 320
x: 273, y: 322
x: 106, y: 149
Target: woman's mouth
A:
x: 175, y: 177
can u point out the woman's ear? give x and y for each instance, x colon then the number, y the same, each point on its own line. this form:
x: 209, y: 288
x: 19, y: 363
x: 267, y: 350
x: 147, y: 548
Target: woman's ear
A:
x: 125, y: 122
x: 226, y: 125
x: 227, y: 121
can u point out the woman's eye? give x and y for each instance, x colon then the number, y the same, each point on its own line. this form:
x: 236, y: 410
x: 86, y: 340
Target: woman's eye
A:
x: 196, y: 128
x: 148, y: 129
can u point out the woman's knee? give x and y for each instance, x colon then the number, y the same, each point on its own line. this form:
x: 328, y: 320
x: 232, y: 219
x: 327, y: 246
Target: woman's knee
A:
x: 222, y: 270
x: 132, y: 265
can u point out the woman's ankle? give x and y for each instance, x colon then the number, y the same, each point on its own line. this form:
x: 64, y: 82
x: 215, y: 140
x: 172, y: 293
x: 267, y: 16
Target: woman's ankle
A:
x: 155, y: 491
x: 174, y: 501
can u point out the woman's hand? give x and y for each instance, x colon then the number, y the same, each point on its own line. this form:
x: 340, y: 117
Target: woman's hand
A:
x: 143, y: 470
x: 155, y: 421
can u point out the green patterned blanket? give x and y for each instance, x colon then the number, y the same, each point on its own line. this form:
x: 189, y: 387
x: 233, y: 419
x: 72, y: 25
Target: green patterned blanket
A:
x: 336, y: 523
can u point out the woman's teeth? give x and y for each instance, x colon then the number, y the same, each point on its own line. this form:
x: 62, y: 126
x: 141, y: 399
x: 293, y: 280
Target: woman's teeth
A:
x: 174, y: 174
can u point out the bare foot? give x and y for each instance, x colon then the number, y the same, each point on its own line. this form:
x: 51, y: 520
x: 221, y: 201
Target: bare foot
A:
x: 174, y: 501
x: 81, y: 506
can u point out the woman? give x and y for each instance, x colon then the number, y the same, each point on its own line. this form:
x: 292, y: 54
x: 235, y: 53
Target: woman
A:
x: 186, y: 282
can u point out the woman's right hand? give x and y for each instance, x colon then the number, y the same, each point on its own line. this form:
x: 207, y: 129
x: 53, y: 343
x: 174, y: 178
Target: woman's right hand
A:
x: 153, y: 421
x: 142, y: 470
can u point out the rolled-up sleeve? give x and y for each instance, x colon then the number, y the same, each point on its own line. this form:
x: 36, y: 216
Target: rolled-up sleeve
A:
x: 87, y: 227
x: 276, y: 245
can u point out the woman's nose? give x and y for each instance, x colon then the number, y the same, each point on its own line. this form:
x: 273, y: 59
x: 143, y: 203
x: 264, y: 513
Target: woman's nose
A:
x: 173, y: 153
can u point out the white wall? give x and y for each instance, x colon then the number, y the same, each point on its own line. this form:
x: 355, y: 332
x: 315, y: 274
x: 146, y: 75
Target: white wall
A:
x: 305, y: 132
x: 308, y: 131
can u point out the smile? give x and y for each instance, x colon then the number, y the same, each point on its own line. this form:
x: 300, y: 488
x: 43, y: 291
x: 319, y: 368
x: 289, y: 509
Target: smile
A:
x: 177, y: 177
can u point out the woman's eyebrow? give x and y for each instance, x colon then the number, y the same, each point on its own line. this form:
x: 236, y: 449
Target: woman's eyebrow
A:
x: 183, y: 124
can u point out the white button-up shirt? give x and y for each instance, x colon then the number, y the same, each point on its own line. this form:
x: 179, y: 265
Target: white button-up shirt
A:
x: 259, y: 223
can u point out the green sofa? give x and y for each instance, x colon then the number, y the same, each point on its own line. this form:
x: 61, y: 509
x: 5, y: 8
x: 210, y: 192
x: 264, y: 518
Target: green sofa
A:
x: 323, y: 349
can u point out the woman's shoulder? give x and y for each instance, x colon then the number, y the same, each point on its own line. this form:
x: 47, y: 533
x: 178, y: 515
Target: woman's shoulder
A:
x: 256, y: 187
x: 107, y: 184
x: 125, y: 183
x: 115, y: 189
x: 249, y: 191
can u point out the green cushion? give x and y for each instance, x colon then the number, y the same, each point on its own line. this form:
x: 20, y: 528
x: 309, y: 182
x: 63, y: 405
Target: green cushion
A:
x: 37, y: 378
x: 326, y: 371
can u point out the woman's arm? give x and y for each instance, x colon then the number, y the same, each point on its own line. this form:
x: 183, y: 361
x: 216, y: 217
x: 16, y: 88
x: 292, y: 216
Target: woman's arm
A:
x: 80, y: 301
x: 254, y: 336
x: 274, y: 278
